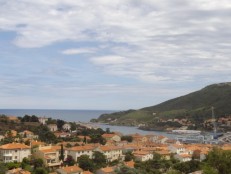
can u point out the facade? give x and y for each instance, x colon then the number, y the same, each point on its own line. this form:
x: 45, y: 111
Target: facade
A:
x: 177, y: 148
x: 52, y: 127
x: 14, y: 152
x: 43, y: 120
x: 77, y: 151
x: 28, y: 134
x: 183, y: 157
x: 143, y: 155
x: 66, y: 126
x: 49, y: 154
x: 111, y: 152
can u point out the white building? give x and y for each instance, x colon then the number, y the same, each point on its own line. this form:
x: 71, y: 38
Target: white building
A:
x: 43, y: 120
x: 77, y: 151
x: 14, y: 152
x: 67, y: 126
x: 111, y: 152
x: 49, y: 154
x: 52, y: 127
x: 143, y: 155
x: 177, y: 148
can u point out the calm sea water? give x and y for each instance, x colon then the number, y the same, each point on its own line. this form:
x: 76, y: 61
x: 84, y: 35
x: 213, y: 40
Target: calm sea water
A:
x: 67, y: 115
x: 79, y: 115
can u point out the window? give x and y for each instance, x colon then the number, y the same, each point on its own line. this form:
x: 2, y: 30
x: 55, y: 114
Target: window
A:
x: 15, y: 150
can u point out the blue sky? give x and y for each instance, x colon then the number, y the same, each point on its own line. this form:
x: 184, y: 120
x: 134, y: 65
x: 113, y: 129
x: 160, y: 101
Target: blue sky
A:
x: 123, y: 54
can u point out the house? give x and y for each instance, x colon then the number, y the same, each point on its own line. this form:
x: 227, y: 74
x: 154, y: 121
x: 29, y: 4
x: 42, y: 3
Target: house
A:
x: 106, y: 170
x: 77, y: 151
x: 177, y: 148
x: 113, y: 137
x: 66, y: 126
x: 142, y: 155
x: 2, y: 137
x: 14, y: 152
x: 62, y: 134
x: 183, y: 157
x: 111, y: 152
x: 164, y: 153
x: 130, y: 164
x: 28, y: 134
x: 49, y: 154
x: 70, y: 170
x: 52, y: 127
x: 139, y: 138
x: 42, y: 120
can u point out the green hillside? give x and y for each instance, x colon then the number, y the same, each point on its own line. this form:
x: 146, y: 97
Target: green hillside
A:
x: 195, y: 106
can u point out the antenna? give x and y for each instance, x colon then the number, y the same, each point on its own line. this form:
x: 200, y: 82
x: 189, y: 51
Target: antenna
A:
x: 214, y: 124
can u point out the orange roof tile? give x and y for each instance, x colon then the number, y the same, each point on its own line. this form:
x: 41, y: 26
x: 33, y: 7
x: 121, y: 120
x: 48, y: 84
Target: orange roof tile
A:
x: 14, y: 146
x: 72, y: 169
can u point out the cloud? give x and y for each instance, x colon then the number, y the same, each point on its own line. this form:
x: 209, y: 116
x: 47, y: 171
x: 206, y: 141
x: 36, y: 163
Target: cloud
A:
x: 149, y: 40
x: 74, y: 51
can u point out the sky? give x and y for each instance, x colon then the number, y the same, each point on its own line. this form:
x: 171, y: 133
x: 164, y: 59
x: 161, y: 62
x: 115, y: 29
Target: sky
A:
x: 115, y: 55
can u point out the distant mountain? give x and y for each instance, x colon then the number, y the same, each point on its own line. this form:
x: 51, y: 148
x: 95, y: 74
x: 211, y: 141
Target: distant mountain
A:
x: 195, y: 106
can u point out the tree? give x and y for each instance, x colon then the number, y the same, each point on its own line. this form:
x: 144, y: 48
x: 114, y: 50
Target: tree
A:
x: 38, y: 163
x: 40, y: 170
x: 129, y: 156
x: 69, y: 160
x: 3, y: 168
x: 220, y: 160
x: 209, y: 170
x: 60, y: 124
x: 97, y: 138
x: 128, y: 138
x: 99, y: 159
x: 85, y: 163
x: 61, y: 153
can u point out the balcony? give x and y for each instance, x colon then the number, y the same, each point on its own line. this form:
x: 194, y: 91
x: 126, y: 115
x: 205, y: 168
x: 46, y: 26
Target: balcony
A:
x: 8, y: 154
x: 54, y: 164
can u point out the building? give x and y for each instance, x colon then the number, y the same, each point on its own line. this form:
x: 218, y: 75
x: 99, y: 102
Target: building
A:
x: 70, y: 170
x: 106, y: 170
x: 14, y: 152
x: 52, y: 127
x: 183, y: 157
x: 177, y: 148
x: 77, y: 151
x: 111, y: 152
x: 42, y: 120
x: 67, y: 126
x: 143, y: 155
x: 49, y: 154
x: 113, y: 137
x: 28, y: 134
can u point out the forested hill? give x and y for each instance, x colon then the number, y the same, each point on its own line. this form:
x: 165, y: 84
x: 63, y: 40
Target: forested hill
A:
x: 194, y: 105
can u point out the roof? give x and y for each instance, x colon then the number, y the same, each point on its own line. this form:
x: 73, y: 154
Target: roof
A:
x: 18, y: 171
x: 107, y: 169
x: 109, y: 135
x: 87, y: 172
x: 130, y: 164
x: 82, y: 148
x: 14, y: 146
x: 110, y: 148
x: 71, y: 169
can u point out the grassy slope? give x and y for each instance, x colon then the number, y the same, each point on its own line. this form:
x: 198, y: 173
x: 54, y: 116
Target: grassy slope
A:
x: 196, y: 104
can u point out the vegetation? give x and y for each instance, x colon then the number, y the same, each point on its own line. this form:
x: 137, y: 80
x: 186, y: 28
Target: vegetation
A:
x: 195, y: 106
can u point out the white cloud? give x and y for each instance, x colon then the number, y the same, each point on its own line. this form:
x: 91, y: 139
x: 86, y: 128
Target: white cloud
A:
x: 150, y: 40
x: 74, y: 51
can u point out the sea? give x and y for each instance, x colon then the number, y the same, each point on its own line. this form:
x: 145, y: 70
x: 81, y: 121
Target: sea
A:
x: 79, y: 116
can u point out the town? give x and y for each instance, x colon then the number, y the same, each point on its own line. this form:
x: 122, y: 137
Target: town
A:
x: 41, y: 145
